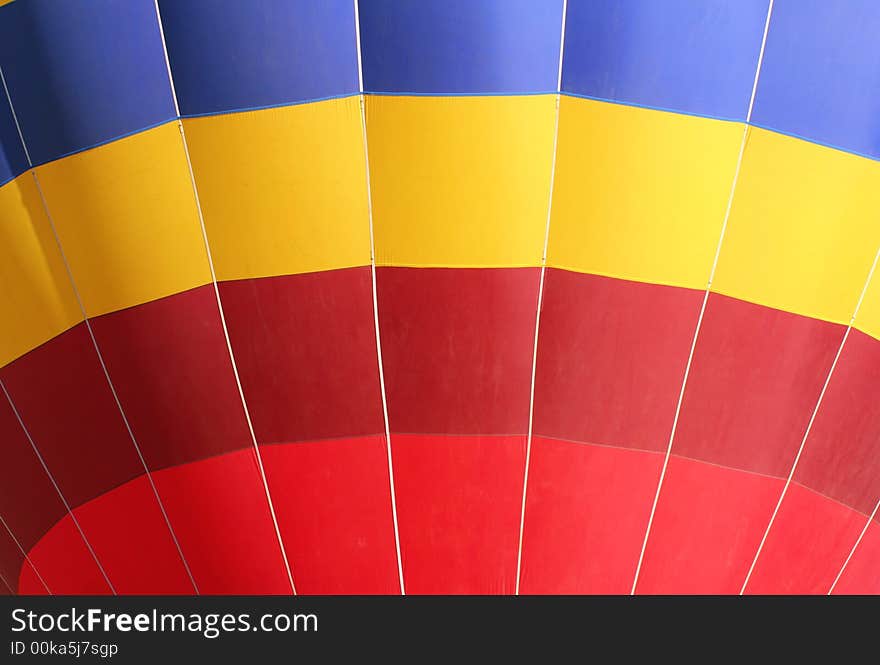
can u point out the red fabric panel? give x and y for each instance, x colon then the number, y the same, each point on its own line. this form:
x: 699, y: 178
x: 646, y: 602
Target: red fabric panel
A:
x: 334, y: 508
x: 126, y: 529
x: 457, y: 345
x: 170, y: 365
x: 707, y: 527
x: 842, y: 455
x: 63, y: 396
x: 65, y: 564
x: 305, y: 347
x: 458, y: 508
x: 586, y: 512
x: 333, y: 502
x: 30, y: 584
x: 755, y: 378
x: 810, y: 539
x: 219, y: 512
x: 30, y: 507
x: 65, y: 401
x: 611, y: 358
x: 862, y: 573
x: 29, y: 503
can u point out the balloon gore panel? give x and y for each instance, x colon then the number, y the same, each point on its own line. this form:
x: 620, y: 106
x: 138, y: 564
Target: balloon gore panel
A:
x: 460, y: 296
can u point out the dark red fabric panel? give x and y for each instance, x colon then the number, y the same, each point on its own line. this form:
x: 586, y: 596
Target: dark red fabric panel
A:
x: 842, y: 455
x: 169, y: 362
x: 810, y: 539
x: 34, y: 513
x: 131, y: 539
x: 862, y: 573
x: 707, y: 527
x: 333, y: 503
x: 65, y: 563
x: 755, y: 379
x: 219, y: 511
x: 305, y: 347
x: 63, y: 397
x: 7, y: 588
x: 611, y: 358
x: 11, y: 561
x: 457, y: 345
x: 587, y: 509
x: 29, y: 503
x: 459, y: 500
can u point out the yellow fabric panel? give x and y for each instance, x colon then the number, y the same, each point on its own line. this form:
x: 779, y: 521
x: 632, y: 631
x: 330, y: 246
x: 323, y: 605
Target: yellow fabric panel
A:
x: 868, y: 318
x: 127, y: 219
x: 460, y: 181
x: 36, y: 299
x: 283, y: 190
x: 640, y: 194
x: 803, y: 229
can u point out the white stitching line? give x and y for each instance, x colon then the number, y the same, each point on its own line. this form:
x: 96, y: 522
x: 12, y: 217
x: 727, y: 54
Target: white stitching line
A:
x: 687, y: 369
x: 810, y: 423
x: 540, y: 304
x: 6, y: 584
x: 247, y: 415
x: 854, y: 548
x: 57, y: 489
x: 88, y: 325
x: 6, y: 392
x: 148, y: 473
x: 357, y: 29
x: 26, y: 556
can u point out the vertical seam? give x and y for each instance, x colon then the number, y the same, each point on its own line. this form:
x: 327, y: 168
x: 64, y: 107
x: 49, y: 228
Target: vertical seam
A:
x: 363, y: 119
x: 247, y: 415
x: 540, y: 302
x: 739, y: 160
x: 26, y: 556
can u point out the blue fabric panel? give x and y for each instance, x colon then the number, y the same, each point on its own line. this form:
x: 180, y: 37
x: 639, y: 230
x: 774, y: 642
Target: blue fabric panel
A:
x: 460, y: 46
x: 82, y: 73
x: 12, y: 158
x: 230, y: 54
x: 691, y: 56
x: 821, y: 73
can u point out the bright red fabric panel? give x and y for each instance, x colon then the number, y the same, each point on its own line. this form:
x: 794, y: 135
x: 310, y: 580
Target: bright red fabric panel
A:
x: 333, y: 502
x: 586, y: 513
x: 459, y: 501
